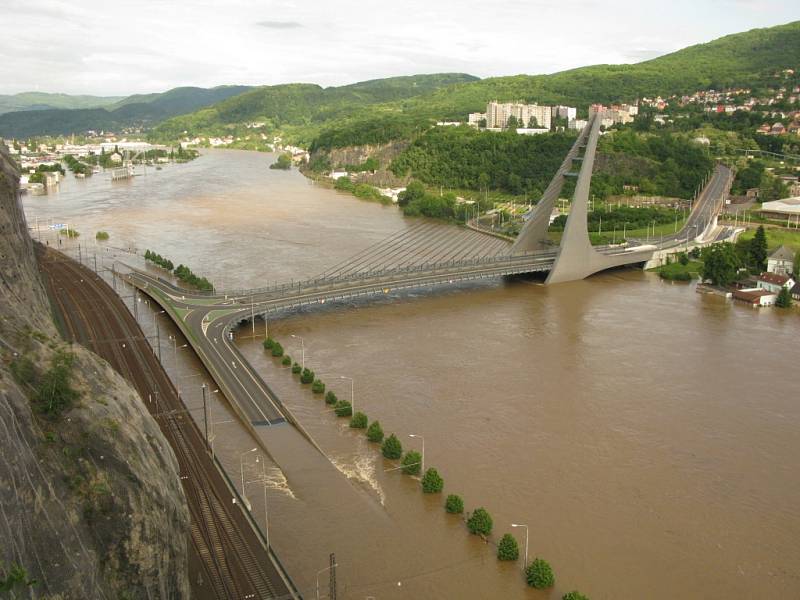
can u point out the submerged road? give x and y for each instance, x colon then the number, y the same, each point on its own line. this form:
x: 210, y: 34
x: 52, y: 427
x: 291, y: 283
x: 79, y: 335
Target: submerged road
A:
x: 230, y: 556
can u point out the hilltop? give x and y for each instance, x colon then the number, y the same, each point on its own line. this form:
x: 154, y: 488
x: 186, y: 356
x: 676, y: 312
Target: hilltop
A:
x: 742, y: 59
x: 137, y: 110
x: 45, y: 101
x: 306, y: 106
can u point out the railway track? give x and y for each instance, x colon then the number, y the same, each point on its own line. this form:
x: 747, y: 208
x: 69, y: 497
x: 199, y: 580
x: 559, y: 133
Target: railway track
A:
x: 235, y: 563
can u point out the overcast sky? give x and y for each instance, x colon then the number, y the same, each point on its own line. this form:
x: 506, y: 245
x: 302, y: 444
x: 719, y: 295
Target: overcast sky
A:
x: 119, y: 47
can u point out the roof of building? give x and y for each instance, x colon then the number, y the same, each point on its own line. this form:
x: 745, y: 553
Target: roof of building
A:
x: 774, y: 278
x: 783, y: 253
x: 751, y: 295
x: 789, y: 206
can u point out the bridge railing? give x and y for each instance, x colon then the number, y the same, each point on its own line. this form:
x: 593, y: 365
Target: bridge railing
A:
x: 309, y: 284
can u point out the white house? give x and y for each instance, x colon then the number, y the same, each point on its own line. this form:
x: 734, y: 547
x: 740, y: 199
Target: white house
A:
x: 773, y: 282
x: 781, y: 261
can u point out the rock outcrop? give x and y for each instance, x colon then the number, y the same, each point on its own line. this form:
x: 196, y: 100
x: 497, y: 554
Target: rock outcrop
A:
x: 91, y: 504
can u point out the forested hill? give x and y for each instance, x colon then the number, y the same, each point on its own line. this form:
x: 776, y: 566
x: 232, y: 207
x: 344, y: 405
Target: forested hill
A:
x: 305, y: 105
x: 746, y: 59
x: 134, y: 110
x: 44, y: 101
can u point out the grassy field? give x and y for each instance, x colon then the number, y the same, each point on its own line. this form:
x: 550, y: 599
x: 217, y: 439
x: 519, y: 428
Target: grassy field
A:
x: 776, y: 238
x: 608, y: 237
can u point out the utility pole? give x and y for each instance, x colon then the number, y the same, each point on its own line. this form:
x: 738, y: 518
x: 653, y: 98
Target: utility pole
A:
x: 205, y: 413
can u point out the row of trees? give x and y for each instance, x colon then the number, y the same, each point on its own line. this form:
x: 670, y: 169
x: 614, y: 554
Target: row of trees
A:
x: 182, y: 272
x: 76, y: 166
x: 364, y: 191
x: 538, y: 572
x: 755, y: 175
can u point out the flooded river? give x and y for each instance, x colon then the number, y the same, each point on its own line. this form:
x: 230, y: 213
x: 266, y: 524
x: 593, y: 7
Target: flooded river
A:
x: 649, y: 436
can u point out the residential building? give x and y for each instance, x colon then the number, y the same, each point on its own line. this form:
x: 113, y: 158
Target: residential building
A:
x: 497, y: 114
x: 781, y: 261
x: 474, y: 119
x: 795, y: 291
x: 577, y: 124
x: 565, y: 112
x: 755, y: 297
x: 774, y: 282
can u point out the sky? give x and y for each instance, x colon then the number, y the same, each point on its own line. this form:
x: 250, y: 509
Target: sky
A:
x: 121, y: 47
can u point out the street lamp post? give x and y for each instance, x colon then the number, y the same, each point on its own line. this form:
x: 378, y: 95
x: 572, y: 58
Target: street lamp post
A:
x: 414, y: 435
x: 320, y: 572
x: 526, y: 542
x: 241, y: 465
x: 303, y: 349
x: 352, y: 393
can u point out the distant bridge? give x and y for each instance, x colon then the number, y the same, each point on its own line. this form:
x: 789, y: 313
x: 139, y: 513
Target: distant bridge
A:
x: 421, y: 256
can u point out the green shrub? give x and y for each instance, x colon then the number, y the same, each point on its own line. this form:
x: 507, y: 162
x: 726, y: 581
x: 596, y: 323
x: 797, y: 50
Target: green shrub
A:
x: 392, y: 448
x: 307, y: 376
x: 101, y: 236
x: 539, y: 574
x: 277, y: 349
x: 480, y: 522
x: 343, y: 409
x: 432, y: 482
x: 268, y: 343
x: 574, y: 595
x: 454, y: 504
x: 52, y: 393
x: 683, y: 259
x: 287, y: 360
x: 318, y: 387
x: 375, y: 432
x: 411, y: 462
x: 296, y: 369
x: 359, y: 421
x: 330, y: 398
x: 508, y: 549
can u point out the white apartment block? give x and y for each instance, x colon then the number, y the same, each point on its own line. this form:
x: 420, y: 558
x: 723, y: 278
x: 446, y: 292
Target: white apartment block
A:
x: 497, y: 114
x: 565, y: 112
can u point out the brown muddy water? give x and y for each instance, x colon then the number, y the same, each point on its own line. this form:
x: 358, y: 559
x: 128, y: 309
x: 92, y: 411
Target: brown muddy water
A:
x: 648, y: 435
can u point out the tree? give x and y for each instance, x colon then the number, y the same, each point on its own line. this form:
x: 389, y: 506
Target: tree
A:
x: 480, y: 522
x: 343, y: 409
x: 411, y: 462
x: 532, y: 123
x: 720, y: 264
x: 318, y: 387
x: 796, y: 267
x: 358, y: 421
x: 414, y: 191
x: 287, y: 361
x: 284, y: 162
x: 508, y: 549
x: 101, y: 236
x: 512, y: 123
x: 683, y: 259
x: 454, y: 504
x: 539, y: 574
x: 392, y: 448
x: 432, y: 482
x: 375, y: 432
x: 277, y: 349
x: 758, y: 249
x: 574, y: 595
x: 784, y: 299
x: 330, y: 398
x: 307, y: 376
x: 296, y: 369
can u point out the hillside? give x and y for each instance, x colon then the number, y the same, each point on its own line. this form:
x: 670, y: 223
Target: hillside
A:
x: 45, y: 101
x: 131, y: 111
x: 303, y: 105
x: 740, y: 59
x: 91, y: 498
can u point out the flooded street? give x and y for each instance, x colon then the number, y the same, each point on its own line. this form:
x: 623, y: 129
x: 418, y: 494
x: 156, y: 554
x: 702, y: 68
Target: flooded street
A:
x: 649, y: 436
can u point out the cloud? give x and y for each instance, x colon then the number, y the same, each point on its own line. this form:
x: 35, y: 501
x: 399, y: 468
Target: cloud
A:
x: 279, y: 24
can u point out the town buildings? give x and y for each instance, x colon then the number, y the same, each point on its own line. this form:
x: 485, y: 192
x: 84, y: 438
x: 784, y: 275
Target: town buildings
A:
x: 781, y: 261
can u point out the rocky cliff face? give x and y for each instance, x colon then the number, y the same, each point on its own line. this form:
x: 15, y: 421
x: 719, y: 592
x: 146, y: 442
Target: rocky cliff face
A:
x: 356, y: 155
x: 91, y: 504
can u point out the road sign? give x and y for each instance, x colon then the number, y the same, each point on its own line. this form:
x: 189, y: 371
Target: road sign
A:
x: 58, y: 226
